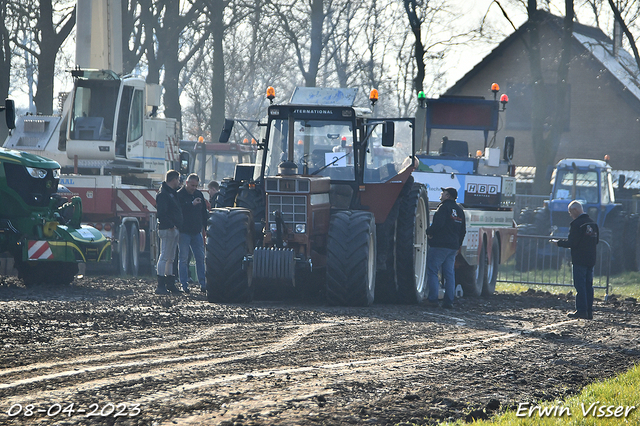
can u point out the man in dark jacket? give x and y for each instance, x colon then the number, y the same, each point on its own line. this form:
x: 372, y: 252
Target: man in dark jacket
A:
x: 445, y: 236
x: 195, y: 214
x: 582, y: 240
x: 169, y: 222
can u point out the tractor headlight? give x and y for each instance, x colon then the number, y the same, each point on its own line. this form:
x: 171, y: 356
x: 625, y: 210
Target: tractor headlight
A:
x: 301, y: 228
x: 56, y: 173
x: 37, y: 173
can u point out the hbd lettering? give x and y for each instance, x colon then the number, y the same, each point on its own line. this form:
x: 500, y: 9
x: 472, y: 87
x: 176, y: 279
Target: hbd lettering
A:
x: 525, y: 409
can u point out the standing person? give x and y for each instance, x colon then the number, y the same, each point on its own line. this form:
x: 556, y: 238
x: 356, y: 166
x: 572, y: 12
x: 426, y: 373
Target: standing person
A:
x: 213, y: 188
x: 194, y: 211
x: 445, y: 236
x: 169, y: 221
x: 582, y: 240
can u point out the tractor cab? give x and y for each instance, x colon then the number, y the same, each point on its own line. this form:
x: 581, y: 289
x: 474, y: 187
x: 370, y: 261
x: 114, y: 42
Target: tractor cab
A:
x: 588, y: 181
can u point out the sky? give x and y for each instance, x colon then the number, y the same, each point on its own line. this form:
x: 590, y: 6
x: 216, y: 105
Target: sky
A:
x: 458, y: 63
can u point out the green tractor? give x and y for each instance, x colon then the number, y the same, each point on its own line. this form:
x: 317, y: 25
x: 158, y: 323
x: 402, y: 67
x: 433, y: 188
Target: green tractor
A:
x: 40, y: 228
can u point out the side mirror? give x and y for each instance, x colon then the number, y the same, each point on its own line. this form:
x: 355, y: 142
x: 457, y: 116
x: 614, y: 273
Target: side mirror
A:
x: 10, y: 113
x: 185, y: 163
x: 509, y: 144
x: 388, y: 133
x: 226, y: 131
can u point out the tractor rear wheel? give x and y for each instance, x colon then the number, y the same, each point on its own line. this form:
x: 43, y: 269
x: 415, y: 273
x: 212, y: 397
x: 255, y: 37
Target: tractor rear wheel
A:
x: 227, y: 193
x: 351, y: 259
x: 632, y: 243
x: 123, y: 250
x: 411, y: 245
x: 473, y: 277
x: 229, y: 240
x: 253, y: 198
x: 134, y: 250
x: 489, y: 286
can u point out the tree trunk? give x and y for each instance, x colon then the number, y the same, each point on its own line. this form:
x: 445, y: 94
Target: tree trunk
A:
x: 217, y: 72
x: 545, y: 148
x: 315, y: 52
x: 169, y: 45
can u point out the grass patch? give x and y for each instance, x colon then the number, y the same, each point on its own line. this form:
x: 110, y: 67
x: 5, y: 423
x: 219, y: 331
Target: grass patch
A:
x: 622, y: 285
x: 620, y: 391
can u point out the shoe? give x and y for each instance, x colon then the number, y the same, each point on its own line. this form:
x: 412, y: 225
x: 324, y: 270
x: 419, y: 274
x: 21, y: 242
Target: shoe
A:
x: 185, y: 288
x: 431, y: 304
x: 170, y: 282
x: 577, y: 314
x: 162, y: 288
x: 203, y: 288
x: 590, y: 315
x: 447, y: 305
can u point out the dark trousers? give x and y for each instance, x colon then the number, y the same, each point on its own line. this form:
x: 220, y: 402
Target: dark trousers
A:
x: 583, y: 282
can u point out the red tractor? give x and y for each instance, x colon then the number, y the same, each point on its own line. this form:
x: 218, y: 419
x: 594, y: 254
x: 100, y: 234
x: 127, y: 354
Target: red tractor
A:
x: 330, y: 199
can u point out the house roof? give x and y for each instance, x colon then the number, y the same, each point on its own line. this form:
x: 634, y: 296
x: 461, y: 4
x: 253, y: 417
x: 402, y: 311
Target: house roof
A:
x: 591, y: 40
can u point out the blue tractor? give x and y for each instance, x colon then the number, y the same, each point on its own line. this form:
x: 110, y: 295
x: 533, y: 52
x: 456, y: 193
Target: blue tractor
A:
x: 590, y: 182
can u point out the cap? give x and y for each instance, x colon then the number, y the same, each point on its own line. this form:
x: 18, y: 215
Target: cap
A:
x: 451, y: 191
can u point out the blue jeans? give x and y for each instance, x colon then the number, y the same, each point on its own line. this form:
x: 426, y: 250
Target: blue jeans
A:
x: 195, y: 243
x: 439, y: 257
x: 168, y: 244
x: 583, y: 282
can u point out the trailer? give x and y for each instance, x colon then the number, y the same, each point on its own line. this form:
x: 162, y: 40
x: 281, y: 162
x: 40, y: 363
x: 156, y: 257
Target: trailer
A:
x: 485, y: 183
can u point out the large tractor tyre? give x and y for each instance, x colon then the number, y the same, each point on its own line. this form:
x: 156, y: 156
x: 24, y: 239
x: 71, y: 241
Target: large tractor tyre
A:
x: 134, y: 250
x: 526, y: 249
x: 253, y: 198
x: 526, y: 216
x: 124, y: 246
x: 62, y: 273
x: 542, y: 221
x: 411, y: 246
x: 473, y: 277
x: 632, y: 243
x: 616, y: 223
x: 229, y: 240
x: 489, y: 286
x: 46, y: 273
x: 227, y: 193
x: 386, y: 282
x: 351, y: 259
x: 604, y: 254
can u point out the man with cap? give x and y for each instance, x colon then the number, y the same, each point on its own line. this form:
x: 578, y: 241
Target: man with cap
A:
x: 445, y: 236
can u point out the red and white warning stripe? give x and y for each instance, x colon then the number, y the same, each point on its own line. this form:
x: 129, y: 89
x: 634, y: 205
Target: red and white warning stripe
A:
x: 136, y: 200
x: 39, y: 250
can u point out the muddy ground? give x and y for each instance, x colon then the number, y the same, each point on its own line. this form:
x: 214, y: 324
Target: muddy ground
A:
x: 109, y: 351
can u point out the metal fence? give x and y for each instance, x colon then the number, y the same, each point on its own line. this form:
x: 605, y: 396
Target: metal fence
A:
x: 631, y: 205
x: 539, y: 261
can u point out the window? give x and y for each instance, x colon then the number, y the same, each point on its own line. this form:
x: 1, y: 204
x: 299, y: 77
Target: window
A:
x: 136, y: 116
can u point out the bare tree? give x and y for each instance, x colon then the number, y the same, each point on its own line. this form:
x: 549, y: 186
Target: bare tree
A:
x: 133, y: 35
x: 172, y: 37
x: 545, y: 146
x: 49, y: 24
x: 5, y: 51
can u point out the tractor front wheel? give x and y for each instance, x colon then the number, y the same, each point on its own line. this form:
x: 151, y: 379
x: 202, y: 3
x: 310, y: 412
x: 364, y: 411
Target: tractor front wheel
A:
x: 229, y: 240
x: 351, y: 259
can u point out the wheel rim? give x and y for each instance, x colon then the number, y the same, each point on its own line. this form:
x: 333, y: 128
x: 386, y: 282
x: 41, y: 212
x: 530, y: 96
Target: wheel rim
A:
x: 135, y: 245
x: 420, y: 245
x: 371, y: 264
x: 124, y: 253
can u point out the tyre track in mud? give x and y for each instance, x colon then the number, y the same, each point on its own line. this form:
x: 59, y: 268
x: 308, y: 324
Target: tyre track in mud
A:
x: 306, y: 364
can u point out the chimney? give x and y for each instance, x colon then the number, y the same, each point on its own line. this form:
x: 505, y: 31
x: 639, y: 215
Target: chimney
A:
x: 617, y: 38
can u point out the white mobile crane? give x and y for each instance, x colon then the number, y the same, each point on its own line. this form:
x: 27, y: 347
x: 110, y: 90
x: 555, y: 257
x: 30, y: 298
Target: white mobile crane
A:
x: 113, y: 148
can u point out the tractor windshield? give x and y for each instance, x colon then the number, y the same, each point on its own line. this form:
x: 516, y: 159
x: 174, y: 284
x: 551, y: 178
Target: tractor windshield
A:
x: 94, y: 109
x: 317, y: 143
x: 384, y: 162
x: 586, y: 182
